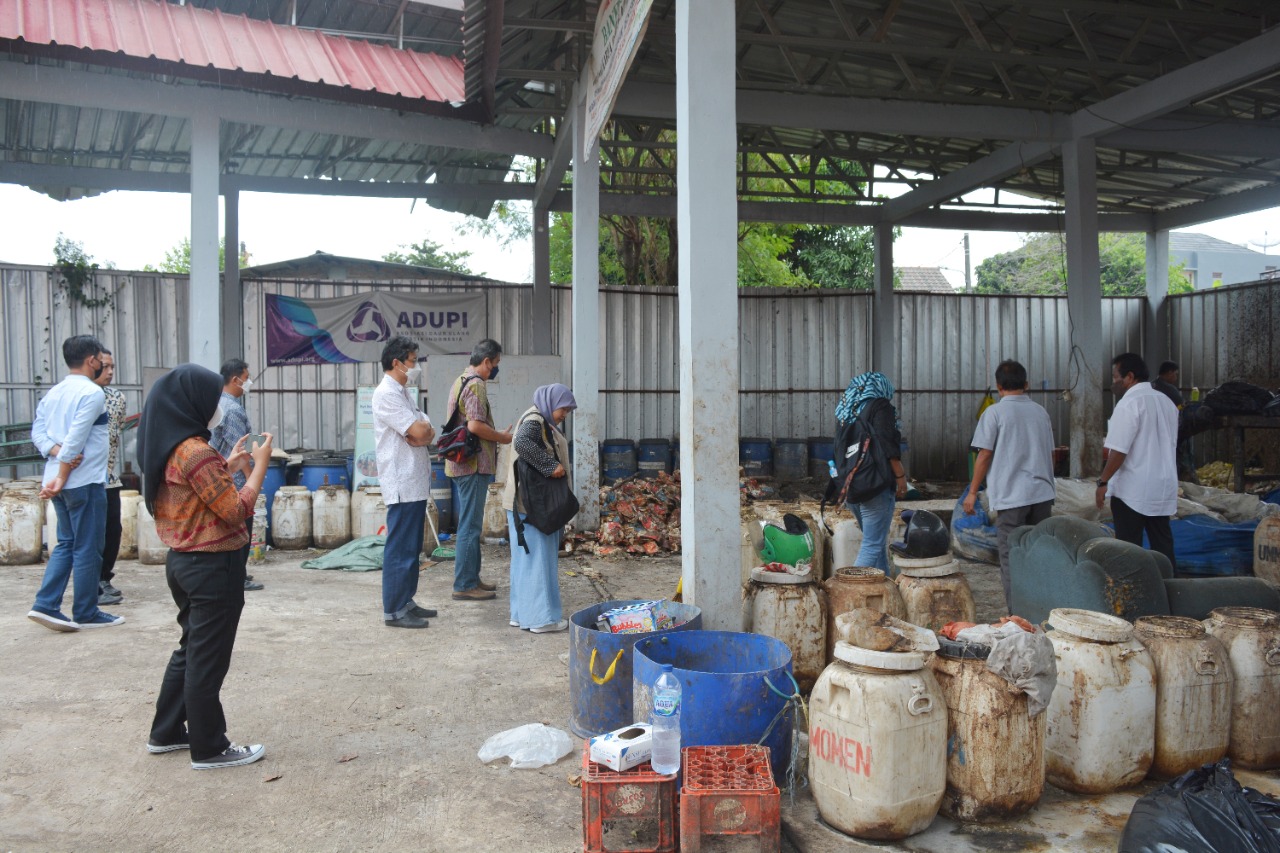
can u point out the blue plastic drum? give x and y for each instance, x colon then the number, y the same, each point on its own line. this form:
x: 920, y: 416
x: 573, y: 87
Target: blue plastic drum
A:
x: 653, y: 457
x: 821, y: 449
x: 725, y: 680
x: 271, y: 482
x: 791, y: 459
x: 442, y: 495
x: 600, y: 667
x: 320, y: 471
x: 755, y: 455
x: 619, y: 460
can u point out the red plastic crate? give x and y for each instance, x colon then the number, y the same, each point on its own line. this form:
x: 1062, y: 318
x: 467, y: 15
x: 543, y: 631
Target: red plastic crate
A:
x: 633, y: 811
x: 729, y: 791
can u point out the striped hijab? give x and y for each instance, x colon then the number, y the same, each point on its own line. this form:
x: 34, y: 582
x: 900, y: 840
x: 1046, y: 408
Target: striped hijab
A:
x: 862, y: 389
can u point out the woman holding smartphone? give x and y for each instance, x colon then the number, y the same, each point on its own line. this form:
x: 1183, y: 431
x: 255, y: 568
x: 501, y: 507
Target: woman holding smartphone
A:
x: 201, y: 516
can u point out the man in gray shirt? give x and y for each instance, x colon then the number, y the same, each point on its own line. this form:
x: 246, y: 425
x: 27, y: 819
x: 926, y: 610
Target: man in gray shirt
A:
x: 1015, y: 445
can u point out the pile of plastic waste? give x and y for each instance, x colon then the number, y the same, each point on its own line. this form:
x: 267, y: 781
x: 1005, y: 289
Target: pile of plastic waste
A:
x: 640, y: 517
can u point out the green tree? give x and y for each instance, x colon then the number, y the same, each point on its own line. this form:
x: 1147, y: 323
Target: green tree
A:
x: 178, y: 259
x: 428, y: 253
x: 1039, y: 267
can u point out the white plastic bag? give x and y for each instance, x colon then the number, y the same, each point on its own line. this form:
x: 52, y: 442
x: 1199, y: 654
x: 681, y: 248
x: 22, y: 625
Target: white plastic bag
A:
x: 530, y: 745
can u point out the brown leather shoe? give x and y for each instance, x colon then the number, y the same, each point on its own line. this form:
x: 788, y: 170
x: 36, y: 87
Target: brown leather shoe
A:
x: 486, y: 586
x: 474, y: 594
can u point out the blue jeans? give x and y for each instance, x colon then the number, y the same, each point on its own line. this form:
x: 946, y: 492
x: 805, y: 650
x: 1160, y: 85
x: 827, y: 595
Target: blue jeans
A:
x: 400, y: 557
x: 472, y: 492
x: 875, y: 515
x: 82, y: 530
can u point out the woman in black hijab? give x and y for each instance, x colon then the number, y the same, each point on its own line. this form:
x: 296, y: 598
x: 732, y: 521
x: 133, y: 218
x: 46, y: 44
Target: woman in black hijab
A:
x: 201, y: 516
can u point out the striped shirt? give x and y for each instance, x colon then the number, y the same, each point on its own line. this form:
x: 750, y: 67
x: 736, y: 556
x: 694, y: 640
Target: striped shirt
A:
x: 198, y: 507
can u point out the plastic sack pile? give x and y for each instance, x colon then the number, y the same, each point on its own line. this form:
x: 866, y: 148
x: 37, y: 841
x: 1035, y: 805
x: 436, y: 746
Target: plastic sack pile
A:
x: 1203, y: 811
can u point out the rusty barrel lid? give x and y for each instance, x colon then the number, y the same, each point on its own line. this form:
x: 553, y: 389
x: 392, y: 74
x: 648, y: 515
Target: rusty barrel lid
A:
x: 1172, y: 627
x: 895, y: 661
x: 762, y: 575
x: 858, y: 574
x: 1245, y: 617
x: 927, y: 567
x: 1090, y: 625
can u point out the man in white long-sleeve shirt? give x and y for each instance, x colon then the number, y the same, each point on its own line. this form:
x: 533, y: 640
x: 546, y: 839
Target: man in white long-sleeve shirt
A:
x: 70, y: 430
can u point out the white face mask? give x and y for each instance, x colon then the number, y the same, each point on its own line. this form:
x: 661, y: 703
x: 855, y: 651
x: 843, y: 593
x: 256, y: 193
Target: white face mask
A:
x: 246, y: 385
x: 411, y: 374
x: 216, y: 419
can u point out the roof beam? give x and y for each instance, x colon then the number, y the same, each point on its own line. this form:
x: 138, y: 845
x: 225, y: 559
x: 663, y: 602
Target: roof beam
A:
x: 558, y: 162
x: 1187, y: 137
x: 84, y: 177
x: 1220, y: 207
x: 1251, y: 59
x: 860, y: 115
x: 45, y: 84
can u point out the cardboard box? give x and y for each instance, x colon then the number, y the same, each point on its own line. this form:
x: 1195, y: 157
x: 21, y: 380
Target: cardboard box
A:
x: 624, y: 748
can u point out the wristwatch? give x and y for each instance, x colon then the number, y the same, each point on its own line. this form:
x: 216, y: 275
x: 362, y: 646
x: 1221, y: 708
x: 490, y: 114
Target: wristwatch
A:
x: 1102, y: 484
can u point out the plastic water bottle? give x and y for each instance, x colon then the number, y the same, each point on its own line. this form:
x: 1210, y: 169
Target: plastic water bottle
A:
x: 666, y: 723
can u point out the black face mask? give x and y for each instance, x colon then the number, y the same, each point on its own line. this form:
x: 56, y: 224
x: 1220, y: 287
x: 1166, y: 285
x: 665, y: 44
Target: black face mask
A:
x: 493, y: 374
x: 98, y: 372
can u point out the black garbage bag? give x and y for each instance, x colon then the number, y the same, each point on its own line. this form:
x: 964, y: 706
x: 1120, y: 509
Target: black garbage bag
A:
x: 1203, y: 811
x: 1235, y: 397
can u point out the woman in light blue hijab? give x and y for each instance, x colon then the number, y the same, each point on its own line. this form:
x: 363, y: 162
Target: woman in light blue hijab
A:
x: 535, y: 581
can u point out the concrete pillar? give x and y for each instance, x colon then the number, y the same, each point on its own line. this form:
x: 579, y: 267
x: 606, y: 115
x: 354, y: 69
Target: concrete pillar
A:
x: 204, y: 293
x: 232, y: 293
x: 1091, y: 362
x: 884, y: 311
x: 1156, y: 319
x: 586, y: 327
x: 542, y: 330
x: 707, y: 219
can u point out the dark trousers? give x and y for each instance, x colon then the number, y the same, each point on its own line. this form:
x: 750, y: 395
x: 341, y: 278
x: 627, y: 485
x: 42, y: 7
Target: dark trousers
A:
x: 111, y: 545
x: 1007, y: 521
x: 209, y: 591
x: 1131, y: 524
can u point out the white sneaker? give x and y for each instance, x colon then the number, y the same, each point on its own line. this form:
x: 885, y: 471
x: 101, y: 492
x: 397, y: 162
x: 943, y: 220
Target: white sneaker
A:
x: 232, y: 756
x: 550, y: 628
x: 514, y: 624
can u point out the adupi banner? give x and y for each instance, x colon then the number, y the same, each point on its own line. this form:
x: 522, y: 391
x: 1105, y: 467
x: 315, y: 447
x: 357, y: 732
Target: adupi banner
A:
x: 351, y: 329
x: 620, y: 25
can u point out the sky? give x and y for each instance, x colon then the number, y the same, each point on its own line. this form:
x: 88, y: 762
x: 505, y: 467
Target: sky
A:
x: 132, y: 229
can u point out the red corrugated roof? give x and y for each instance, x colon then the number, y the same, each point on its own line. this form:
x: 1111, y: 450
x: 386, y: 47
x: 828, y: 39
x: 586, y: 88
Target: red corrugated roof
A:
x: 208, y: 38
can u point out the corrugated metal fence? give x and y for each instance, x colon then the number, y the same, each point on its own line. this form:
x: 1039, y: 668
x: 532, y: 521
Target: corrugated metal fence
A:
x: 798, y: 350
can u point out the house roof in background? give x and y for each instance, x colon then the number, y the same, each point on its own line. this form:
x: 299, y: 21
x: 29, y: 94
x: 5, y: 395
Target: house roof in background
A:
x: 327, y: 267
x: 208, y: 38
x: 1180, y: 241
x: 929, y: 279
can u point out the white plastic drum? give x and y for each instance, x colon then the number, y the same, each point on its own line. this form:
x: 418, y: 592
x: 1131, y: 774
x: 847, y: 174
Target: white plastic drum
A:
x: 793, y: 609
x: 291, y: 518
x: 331, y: 516
x: 373, y: 513
x: 877, y: 743
x: 20, y: 526
x: 1101, y: 726
x: 129, y: 501
x: 151, y: 550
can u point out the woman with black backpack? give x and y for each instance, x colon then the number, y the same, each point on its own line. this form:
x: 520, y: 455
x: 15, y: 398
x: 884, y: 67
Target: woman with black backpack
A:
x: 537, y: 473
x: 872, y: 454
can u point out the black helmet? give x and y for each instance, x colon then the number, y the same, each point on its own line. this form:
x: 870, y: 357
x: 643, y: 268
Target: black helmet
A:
x: 926, y: 536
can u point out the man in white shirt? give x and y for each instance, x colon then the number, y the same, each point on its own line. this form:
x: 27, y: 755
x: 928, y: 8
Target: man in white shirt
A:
x: 1141, y: 472
x: 403, y: 433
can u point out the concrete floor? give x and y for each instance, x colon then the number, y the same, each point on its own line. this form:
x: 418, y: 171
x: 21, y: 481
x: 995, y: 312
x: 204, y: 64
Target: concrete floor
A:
x: 371, y: 732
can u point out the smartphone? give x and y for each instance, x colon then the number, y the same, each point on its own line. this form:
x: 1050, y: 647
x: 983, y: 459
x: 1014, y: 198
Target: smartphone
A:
x: 253, y: 439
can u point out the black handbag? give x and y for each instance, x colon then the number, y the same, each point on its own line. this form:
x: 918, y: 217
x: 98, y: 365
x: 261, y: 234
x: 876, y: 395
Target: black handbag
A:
x: 549, y: 503
x: 458, y: 444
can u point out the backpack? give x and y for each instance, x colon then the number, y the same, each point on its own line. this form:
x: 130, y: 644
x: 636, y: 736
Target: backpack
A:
x: 862, y: 468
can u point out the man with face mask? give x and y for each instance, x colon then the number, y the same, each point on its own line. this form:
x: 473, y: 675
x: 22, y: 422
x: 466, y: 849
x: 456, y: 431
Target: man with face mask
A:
x: 70, y: 430
x: 1141, y: 472
x: 233, y: 426
x: 107, y: 592
x: 402, y: 432
x: 469, y: 398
